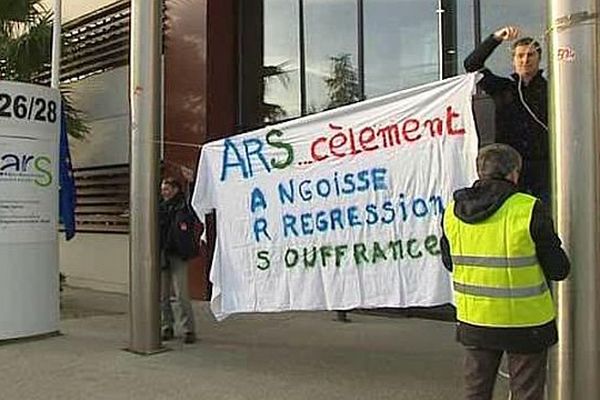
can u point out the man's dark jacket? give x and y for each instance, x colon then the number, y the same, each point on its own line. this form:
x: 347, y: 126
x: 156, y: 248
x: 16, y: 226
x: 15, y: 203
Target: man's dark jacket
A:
x: 478, y: 203
x: 514, y: 124
x: 173, y: 214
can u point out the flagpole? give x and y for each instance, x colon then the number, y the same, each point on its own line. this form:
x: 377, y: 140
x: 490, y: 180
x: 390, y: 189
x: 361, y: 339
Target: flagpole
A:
x: 56, y: 44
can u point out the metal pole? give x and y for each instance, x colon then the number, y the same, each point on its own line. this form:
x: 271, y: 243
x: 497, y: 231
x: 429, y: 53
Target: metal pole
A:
x: 56, y: 45
x: 302, y: 58
x: 361, y: 48
x: 144, y: 95
x: 440, y: 13
x: 476, y: 22
x: 575, y: 135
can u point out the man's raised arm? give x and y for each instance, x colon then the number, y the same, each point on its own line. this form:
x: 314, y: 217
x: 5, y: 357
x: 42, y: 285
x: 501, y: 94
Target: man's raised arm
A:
x: 475, y: 61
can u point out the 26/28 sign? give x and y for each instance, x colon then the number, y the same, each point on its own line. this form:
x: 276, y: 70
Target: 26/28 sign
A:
x: 29, y: 108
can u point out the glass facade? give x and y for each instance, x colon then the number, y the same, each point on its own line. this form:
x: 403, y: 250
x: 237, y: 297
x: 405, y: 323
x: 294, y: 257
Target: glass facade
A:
x: 280, y: 69
x: 320, y: 54
x: 331, y: 48
x: 465, y: 29
x: 401, y: 44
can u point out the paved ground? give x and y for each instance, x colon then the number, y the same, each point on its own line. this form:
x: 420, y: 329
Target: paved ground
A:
x: 295, y: 356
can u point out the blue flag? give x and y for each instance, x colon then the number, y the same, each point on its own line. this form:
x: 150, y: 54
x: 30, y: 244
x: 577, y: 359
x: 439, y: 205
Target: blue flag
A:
x: 66, y: 194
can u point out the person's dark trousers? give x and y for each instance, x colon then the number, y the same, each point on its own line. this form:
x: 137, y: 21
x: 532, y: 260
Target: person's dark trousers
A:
x: 527, y: 374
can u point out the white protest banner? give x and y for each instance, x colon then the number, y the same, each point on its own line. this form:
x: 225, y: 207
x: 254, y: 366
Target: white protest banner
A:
x: 341, y: 209
x: 29, y: 132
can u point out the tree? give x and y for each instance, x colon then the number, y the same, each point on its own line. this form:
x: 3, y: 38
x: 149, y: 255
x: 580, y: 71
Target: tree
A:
x: 271, y: 112
x: 342, y: 83
x: 25, y: 50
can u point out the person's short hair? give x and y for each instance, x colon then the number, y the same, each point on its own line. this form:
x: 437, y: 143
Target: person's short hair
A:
x: 174, y: 183
x: 527, y: 41
x: 497, y: 160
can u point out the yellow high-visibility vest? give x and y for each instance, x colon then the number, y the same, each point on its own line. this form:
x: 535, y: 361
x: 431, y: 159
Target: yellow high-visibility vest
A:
x: 497, y: 279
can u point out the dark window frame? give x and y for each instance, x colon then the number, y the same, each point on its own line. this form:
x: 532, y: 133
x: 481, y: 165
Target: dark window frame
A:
x: 251, y: 49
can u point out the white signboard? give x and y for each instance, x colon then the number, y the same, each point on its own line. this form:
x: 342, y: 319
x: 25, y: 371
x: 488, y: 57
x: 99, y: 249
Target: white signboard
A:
x: 29, y: 132
x: 342, y: 209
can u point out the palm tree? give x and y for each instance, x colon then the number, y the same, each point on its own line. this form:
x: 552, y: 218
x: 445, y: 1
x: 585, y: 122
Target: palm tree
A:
x: 25, y: 50
x: 25, y: 38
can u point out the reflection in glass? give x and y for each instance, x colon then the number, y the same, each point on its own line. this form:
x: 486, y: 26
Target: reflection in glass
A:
x: 465, y: 36
x: 280, y: 72
x: 401, y: 44
x: 331, y: 53
x: 529, y: 16
x: 342, y: 83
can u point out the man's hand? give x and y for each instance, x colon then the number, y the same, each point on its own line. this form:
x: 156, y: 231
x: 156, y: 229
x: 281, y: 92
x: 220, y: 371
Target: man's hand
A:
x: 507, y: 33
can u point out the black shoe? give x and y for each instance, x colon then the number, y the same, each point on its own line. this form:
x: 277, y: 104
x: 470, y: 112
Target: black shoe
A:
x: 167, y: 334
x: 189, y: 338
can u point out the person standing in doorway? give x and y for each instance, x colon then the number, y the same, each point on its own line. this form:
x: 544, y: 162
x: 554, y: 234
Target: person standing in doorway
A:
x: 502, y: 250
x: 175, y: 222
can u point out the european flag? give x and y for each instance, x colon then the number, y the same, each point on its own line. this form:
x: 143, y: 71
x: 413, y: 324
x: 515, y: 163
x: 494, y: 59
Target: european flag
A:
x: 66, y: 194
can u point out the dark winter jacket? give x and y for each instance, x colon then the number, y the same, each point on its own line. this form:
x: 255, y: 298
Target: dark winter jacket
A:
x: 515, y: 126
x: 176, y: 227
x: 477, y: 203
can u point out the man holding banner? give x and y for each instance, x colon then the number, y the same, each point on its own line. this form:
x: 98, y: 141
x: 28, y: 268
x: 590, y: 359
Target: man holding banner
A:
x: 521, y: 105
x: 502, y: 250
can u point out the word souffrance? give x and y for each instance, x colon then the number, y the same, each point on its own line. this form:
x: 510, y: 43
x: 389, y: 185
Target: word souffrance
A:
x: 340, y: 209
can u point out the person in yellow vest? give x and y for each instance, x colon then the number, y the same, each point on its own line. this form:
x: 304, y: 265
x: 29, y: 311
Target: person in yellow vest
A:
x: 502, y: 250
